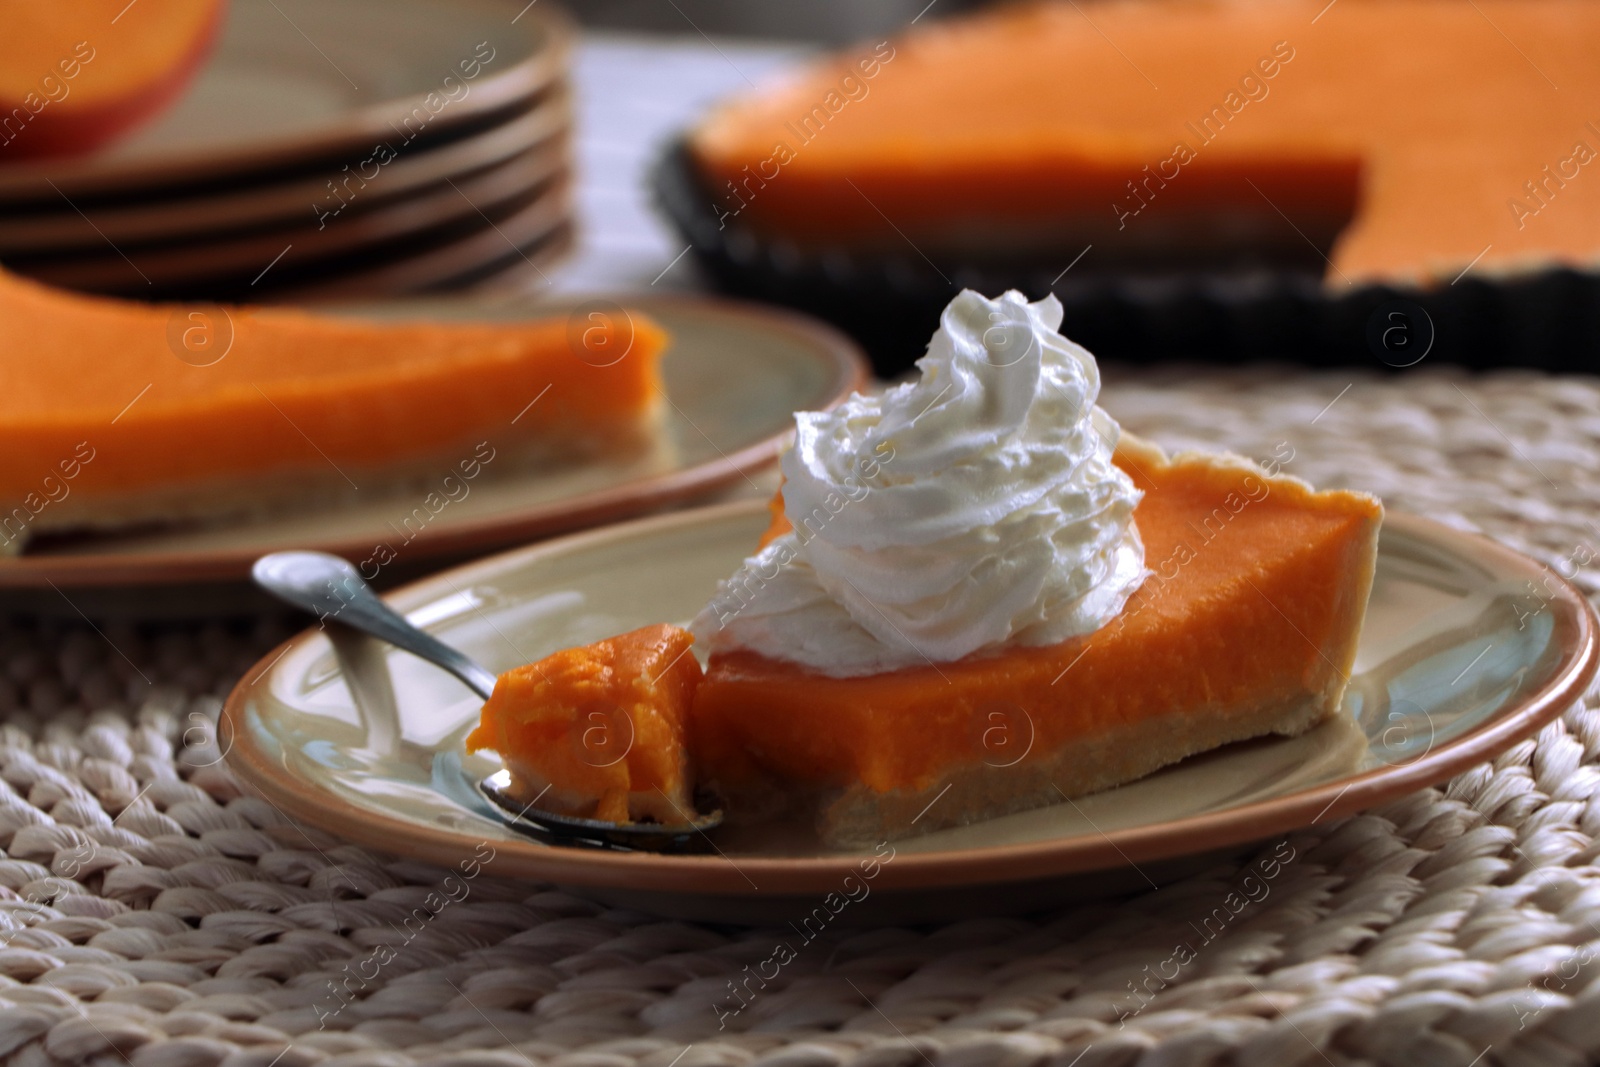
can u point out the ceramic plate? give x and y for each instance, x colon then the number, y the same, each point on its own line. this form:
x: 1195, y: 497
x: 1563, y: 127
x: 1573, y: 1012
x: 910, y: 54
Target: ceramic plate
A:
x: 490, y: 236
x: 296, y: 199
x: 202, y: 267
x: 293, y: 81
x: 1460, y: 657
x: 734, y: 376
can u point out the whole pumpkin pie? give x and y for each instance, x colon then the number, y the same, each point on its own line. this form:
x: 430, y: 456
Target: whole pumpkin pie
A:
x: 1406, y: 140
x: 114, y: 412
x: 975, y: 599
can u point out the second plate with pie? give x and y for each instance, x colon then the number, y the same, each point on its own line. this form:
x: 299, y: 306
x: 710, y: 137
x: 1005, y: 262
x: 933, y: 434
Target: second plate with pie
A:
x: 735, y: 374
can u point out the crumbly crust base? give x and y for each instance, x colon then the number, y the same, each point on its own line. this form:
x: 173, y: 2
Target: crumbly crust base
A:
x: 858, y: 817
x: 321, y: 485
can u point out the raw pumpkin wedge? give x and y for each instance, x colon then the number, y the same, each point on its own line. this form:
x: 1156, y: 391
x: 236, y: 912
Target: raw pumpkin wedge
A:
x: 76, y: 75
x: 114, y: 412
x: 1247, y: 626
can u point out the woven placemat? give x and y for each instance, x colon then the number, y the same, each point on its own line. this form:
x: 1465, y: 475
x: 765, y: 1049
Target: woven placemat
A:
x: 151, y: 915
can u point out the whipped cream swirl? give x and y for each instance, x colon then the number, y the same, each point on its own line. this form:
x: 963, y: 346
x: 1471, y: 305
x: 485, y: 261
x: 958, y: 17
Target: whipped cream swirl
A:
x: 974, y: 508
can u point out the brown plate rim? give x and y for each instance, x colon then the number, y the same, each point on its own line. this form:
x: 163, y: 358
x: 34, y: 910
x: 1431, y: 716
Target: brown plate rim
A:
x: 277, y: 203
x: 512, y: 226
x: 711, y: 875
x: 537, y: 172
x: 850, y: 372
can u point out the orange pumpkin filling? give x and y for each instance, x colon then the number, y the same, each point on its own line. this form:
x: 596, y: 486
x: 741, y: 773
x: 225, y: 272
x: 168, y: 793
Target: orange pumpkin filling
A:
x: 1406, y: 139
x: 598, y: 731
x: 1248, y: 625
x: 115, y: 412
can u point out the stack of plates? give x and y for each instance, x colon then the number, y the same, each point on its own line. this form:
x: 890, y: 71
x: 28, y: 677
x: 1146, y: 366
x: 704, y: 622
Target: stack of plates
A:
x: 335, y: 147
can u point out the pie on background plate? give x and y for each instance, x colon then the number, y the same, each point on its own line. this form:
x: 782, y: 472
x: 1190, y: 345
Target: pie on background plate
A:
x: 733, y: 376
x: 117, y: 413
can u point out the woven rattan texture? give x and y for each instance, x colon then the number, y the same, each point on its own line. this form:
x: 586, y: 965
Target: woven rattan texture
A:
x: 153, y: 916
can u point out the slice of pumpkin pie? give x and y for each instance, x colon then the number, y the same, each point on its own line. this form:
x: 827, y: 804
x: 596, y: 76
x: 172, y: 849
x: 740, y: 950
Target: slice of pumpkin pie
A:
x: 114, y: 412
x: 977, y: 600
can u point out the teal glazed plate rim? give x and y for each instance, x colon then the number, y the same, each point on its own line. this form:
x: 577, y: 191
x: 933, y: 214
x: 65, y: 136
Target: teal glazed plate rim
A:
x: 1469, y: 647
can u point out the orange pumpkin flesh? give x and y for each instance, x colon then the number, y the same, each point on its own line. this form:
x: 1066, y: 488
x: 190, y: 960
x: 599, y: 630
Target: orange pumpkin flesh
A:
x: 75, y: 75
x: 294, y: 400
x: 602, y: 726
